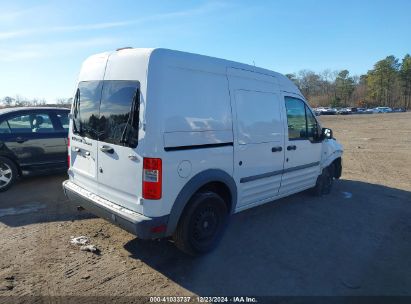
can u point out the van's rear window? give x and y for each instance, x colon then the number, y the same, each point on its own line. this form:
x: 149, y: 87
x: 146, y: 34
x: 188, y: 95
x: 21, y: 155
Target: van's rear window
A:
x: 108, y: 111
x: 88, y: 109
x: 117, y: 124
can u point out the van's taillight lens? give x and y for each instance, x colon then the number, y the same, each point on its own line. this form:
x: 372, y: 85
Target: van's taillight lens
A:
x: 68, y: 152
x: 152, y: 178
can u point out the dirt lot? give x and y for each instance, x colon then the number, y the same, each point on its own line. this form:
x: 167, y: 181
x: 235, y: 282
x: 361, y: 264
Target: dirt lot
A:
x: 356, y: 241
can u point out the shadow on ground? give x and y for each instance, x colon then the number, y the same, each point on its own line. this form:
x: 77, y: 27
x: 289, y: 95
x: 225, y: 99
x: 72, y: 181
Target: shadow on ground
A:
x: 37, y: 199
x: 355, y: 241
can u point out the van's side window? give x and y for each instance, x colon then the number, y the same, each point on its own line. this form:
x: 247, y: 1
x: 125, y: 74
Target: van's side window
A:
x: 301, y: 122
x: 297, y: 123
x: 312, y: 125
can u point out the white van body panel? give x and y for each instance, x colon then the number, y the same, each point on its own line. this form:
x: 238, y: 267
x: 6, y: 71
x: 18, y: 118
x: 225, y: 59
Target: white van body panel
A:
x: 258, y: 129
x: 331, y: 150
x: 197, y: 113
x: 182, y: 111
x: 306, y: 157
x: 93, y: 67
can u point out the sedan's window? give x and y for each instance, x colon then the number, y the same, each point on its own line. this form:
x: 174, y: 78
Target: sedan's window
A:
x: 64, y: 120
x: 20, y: 124
x: 4, y: 127
x: 31, y: 123
x: 41, y: 123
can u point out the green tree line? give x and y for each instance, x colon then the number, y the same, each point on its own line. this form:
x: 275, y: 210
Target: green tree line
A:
x: 387, y: 84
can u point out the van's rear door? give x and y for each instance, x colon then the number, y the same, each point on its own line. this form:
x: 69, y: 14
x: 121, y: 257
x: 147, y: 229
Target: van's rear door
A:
x: 84, y: 134
x: 120, y: 167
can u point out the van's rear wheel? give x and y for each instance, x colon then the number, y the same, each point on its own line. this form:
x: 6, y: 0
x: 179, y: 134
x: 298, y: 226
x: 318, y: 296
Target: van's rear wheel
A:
x: 324, y: 182
x: 202, y: 224
x: 8, y: 173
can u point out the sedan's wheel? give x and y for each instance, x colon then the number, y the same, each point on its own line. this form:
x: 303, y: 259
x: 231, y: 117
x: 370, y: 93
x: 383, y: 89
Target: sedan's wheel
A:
x: 202, y: 224
x: 8, y: 173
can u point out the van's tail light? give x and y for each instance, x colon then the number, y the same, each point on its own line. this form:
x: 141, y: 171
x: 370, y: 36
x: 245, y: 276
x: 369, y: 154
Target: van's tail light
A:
x: 152, y: 178
x: 68, y: 152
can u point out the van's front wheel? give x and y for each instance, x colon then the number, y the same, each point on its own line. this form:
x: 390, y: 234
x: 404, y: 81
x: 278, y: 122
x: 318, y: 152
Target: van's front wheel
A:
x: 202, y: 224
x: 324, y: 182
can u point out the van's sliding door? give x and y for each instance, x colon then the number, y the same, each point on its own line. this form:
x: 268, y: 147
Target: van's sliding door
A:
x: 259, y: 136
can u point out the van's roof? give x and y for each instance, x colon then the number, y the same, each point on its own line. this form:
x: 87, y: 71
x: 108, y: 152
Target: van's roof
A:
x: 210, y: 62
x: 16, y: 109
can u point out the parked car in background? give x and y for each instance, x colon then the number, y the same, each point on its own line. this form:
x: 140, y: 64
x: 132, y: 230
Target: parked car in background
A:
x: 382, y: 110
x: 344, y: 111
x: 316, y: 112
x: 326, y: 111
x: 32, y: 140
x: 361, y: 110
x: 397, y: 110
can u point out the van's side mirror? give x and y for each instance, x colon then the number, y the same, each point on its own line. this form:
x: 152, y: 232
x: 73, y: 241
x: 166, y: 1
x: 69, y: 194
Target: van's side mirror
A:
x: 327, y: 133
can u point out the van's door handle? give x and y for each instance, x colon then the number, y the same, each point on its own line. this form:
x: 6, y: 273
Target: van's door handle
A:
x: 20, y: 140
x: 276, y: 149
x: 293, y: 147
x: 107, y: 149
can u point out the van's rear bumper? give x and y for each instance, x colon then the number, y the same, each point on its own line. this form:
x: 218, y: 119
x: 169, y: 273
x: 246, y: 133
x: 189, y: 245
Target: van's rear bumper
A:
x: 135, y: 223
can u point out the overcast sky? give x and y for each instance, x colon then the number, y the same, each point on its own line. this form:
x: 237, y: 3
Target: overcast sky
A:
x: 43, y: 43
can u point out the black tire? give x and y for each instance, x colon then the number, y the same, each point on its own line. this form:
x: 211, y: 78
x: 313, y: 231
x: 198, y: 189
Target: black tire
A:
x: 324, y: 182
x: 8, y: 173
x: 202, y: 224
x: 328, y: 179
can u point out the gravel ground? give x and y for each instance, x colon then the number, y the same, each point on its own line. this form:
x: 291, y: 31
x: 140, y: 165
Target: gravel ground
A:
x: 355, y: 241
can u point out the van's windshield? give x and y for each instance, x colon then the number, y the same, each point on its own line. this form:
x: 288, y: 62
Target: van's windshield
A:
x: 108, y: 111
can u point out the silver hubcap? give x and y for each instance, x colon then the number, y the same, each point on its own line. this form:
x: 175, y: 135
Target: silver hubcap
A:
x: 5, y: 175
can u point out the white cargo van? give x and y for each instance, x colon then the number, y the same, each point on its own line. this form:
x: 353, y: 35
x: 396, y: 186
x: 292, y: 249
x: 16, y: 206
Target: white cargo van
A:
x: 165, y: 143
